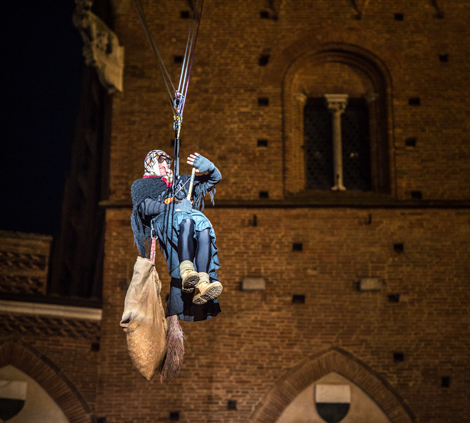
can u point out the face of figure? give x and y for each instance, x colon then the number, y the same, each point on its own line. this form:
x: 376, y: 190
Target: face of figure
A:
x: 163, y: 167
x: 158, y: 163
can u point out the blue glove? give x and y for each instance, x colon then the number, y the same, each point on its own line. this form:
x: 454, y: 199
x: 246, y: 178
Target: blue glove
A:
x: 203, y: 164
x: 185, y: 206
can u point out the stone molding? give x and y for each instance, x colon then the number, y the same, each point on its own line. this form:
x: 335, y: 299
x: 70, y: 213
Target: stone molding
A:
x: 314, y: 367
x: 38, y: 309
x: 336, y: 102
x: 101, y: 48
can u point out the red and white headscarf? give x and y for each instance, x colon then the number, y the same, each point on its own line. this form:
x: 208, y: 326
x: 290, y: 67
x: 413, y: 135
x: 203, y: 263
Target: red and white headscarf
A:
x: 151, y: 165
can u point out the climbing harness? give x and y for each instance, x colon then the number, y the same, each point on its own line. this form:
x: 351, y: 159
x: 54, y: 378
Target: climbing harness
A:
x: 178, y: 99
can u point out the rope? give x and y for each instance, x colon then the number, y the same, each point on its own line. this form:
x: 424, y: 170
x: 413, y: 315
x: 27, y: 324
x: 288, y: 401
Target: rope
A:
x: 161, y: 65
x: 178, y: 101
x: 189, y: 52
x: 180, y: 96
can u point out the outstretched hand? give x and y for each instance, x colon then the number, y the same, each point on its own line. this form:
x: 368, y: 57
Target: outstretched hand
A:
x: 191, y: 158
x: 202, y: 164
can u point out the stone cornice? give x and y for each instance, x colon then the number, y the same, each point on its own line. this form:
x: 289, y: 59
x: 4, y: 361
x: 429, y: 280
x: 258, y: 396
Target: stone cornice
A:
x: 334, y: 200
x: 52, y: 310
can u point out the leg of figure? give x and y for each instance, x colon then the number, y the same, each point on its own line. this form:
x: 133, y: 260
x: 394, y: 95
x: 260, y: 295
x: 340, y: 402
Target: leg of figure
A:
x: 207, y: 291
x: 203, y: 250
x: 186, y: 255
x: 186, y: 240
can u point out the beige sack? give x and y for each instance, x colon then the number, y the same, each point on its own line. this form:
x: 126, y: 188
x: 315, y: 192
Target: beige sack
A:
x: 144, y: 320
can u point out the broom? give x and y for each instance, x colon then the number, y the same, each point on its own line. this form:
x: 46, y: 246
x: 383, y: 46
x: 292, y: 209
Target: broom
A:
x: 175, y: 345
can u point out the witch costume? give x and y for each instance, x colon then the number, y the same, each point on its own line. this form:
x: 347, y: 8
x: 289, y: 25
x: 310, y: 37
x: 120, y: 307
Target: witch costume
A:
x: 186, y: 236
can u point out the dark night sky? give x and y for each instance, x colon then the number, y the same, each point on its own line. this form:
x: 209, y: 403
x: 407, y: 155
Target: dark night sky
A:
x: 41, y: 56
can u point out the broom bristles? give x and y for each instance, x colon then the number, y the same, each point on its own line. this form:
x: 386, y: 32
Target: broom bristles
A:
x: 174, y: 351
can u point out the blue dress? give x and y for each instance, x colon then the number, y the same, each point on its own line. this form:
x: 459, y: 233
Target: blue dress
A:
x: 167, y: 226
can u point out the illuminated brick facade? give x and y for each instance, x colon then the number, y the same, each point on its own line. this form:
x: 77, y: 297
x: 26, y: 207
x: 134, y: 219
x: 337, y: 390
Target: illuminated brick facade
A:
x: 406, y: 345
x: 418, y: 247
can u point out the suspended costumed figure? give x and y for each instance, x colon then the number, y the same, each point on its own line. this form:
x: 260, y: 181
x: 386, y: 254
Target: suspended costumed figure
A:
x: 185, y: 234
x: 162, y: 210
x: 169, y: 211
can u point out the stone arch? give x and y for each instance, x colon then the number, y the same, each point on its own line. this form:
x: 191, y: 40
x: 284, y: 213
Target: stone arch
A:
x: 368, y: 55
x: 376, y: 48
x: 44, y: 372
x: 314, y: 367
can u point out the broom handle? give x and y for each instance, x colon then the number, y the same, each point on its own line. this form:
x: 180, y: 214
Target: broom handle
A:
x: 153, y: 249
x: 193, y: 173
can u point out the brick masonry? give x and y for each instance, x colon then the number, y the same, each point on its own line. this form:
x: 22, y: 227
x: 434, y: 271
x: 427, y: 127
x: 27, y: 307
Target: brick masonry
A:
x: 64, y: 369
x: 58, y: 353
x: 263, y: 349
x: 243, y: 354
x: 24, y: 260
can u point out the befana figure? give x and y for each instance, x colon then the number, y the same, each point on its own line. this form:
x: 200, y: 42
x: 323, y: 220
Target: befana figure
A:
x: 163, y: 208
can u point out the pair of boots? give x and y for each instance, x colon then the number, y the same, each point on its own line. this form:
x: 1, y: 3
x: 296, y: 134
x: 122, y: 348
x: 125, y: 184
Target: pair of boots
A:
x: 192, y: 279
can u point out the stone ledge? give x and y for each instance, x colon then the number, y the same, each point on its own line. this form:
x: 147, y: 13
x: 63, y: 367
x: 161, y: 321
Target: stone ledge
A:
x: 51, y: 310
x: 324, y: 202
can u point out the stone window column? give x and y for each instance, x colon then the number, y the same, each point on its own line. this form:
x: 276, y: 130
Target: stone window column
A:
x: 336, y: 104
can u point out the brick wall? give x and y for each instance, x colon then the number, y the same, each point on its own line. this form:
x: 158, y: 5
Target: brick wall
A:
x: 260, y: 335
x: 245, y: 353
x: 60, y: 354
x: 62, y: 364
x: 24, y: 262
x: 400, y: 345
x: 222, y: 118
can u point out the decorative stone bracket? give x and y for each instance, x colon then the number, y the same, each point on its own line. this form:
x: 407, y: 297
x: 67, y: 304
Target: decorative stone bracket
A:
x: 101, y: 46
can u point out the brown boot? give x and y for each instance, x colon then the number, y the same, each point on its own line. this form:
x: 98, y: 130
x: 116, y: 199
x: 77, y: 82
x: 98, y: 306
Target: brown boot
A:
x: 207, y: 290
x: 189, y: 276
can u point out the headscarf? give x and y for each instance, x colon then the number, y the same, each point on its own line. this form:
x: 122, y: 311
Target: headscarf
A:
x: 151, y: 166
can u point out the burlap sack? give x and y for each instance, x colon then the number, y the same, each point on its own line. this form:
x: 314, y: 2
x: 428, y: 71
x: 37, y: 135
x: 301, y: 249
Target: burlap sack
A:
x: 144, y: 320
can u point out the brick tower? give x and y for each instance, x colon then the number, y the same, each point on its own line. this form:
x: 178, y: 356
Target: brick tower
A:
x: 342, y: 219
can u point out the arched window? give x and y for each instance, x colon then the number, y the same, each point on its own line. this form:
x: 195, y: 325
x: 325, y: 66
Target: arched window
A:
x: 336, y: 123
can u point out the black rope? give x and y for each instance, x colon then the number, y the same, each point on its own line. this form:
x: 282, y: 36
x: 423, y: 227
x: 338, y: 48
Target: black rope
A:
x: 177, y: 101
x: 180, y: 102
x: 176, y: 151
x: 190, y: 49
x: 161, y: 65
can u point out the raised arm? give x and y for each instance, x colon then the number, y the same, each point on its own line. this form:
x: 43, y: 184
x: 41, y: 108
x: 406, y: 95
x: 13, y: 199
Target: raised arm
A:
x: 204, y: 183
x: 150, y: 208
